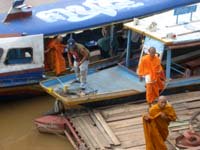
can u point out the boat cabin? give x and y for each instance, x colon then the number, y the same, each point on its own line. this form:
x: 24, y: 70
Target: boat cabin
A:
x: 21, y: 60
x: 175, y: 42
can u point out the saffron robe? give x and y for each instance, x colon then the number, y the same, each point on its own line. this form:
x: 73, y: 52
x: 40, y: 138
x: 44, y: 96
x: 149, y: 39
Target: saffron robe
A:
x: 156, y: 128
x: 57, y: 61
x: 151, y: 67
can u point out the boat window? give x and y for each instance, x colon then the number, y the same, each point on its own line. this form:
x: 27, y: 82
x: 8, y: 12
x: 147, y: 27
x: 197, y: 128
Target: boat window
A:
x: 1, y: 52
x: 19, y: 56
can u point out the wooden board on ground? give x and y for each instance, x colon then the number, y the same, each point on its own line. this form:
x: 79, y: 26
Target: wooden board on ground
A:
x: 120, y: 126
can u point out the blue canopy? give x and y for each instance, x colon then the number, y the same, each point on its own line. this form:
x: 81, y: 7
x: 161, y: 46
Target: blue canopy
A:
x: 71, y: 15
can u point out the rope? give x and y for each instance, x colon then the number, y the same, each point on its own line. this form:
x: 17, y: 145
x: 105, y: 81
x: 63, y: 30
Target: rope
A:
x: 165, y: 87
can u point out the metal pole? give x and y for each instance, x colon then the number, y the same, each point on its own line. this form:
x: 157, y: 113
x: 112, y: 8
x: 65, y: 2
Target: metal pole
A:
x: 111, y: 39
x: 191, y: 16
x: 128, y: 48
x: 168, y: 65
x: 177, y: 19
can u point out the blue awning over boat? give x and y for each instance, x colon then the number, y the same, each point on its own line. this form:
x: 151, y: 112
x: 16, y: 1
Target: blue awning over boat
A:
x: 71, y: 15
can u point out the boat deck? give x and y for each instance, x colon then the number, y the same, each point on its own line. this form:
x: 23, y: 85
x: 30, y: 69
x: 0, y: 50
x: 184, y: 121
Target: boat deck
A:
x: 120, y: 126
x: 110, y: 83
x: 110, y: 80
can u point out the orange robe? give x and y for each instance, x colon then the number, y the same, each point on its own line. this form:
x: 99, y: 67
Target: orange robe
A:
x: 152, y: 67
x: 156, y: 128
x: 49, y: 58
x: 57, y: 61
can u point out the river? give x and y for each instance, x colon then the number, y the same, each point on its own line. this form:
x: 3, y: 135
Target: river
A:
x: 17, y: 128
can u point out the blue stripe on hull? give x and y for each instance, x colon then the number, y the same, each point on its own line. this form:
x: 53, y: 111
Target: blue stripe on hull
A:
x: 21, y: 78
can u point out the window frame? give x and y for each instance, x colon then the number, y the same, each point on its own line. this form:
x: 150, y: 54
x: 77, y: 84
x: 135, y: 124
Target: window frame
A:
x: 21, y: 59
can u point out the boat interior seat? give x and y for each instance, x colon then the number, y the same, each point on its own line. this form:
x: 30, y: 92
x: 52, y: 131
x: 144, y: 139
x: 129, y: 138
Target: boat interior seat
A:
x: 18, y: 61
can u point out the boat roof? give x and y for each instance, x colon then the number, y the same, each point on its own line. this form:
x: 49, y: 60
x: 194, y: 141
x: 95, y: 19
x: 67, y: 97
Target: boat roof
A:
x: 175, y: 27
x: 68, y: 15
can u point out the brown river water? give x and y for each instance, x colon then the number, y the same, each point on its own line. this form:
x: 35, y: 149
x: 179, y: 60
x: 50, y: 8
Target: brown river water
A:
x: 17, y: 128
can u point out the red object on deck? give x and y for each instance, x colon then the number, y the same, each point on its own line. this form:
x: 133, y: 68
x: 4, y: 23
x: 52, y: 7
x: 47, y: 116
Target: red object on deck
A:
x: 18, y: 15
x: 51, y: 124
x: 188, y: 140
x: 59, y: 124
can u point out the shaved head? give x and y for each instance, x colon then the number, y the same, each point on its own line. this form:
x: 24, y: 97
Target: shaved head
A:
x: 162, y: 101
x: 59, y: 38
x: 152, y: 51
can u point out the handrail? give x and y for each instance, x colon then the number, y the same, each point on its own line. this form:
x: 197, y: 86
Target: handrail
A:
x: 178, y: 65
x: 177, y: 70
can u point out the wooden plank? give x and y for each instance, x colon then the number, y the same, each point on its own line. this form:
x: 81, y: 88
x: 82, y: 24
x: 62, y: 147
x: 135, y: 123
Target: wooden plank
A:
x: 100, y: 136
x: 136, y: 137
x: 192, y: 105
x: 91, y: 133
x: 124, y: 116
x: 197, y: 98
x: 123, y: 108
x: 177, y: 124
x: 116, y: 106
x: 130, y: 131
x: 184, y: 112
x: 100, y: 127
x: 181, y: 95
x: 170, y: 144
x: 180, y: 128
x: 82, y: 132
x: 184, y: 117
x: 194, y: 109
x: 107, y: 128
x: 91, y: 140
x: 135, y: 127
x: 177, y: 98
x: 126, y: 123
x: 141, y: 147
x: 179, y: 106
x: 132, y: 143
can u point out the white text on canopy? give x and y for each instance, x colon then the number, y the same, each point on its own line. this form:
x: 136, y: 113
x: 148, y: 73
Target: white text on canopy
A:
x: 89, y: 9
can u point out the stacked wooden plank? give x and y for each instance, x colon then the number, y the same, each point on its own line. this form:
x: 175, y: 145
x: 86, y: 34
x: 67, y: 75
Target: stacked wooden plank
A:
x: 120, y: 126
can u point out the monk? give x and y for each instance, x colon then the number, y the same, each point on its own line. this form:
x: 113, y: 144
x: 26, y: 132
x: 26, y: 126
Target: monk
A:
x: 156, y: 124
x: 54, y: 55
x: 150, y: 68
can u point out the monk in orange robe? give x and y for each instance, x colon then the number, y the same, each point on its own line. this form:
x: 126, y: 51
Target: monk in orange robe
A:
x: 48, y: 56
x: 55, y: 58
x: 156, y: 124
x: 150, y: 68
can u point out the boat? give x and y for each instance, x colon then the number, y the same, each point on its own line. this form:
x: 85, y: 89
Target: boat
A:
x: 23, y: 23
x: 122, y: 80
x: 21, y: 70
x: 22, y: 48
